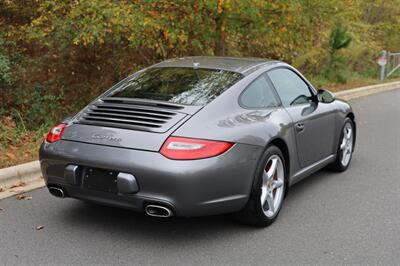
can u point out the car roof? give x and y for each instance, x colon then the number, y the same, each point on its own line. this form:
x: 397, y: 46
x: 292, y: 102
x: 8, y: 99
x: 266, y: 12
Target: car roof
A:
x: 243, y: 65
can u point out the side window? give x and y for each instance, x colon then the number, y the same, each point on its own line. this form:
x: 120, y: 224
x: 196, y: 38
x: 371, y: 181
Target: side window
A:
x: 259, y: 94
x: 291, y: 88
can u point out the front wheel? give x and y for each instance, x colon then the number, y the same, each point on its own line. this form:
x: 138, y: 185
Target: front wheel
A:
x: 268, y: 191
x: 345, y: 147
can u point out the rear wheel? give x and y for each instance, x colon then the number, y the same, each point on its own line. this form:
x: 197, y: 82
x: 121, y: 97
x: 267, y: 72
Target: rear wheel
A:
x: 268, y: 191
x: 345, y: 147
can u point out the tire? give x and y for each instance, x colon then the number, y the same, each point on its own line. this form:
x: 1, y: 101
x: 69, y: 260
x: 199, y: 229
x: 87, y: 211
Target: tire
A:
x: 266, y: 181
x: 341, y: 164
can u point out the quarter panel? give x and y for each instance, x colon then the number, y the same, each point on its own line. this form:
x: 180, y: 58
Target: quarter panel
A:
x: 224, y: 119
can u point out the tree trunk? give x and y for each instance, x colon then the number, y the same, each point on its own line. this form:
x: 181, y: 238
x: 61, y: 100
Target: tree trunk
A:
x: 220, y: 44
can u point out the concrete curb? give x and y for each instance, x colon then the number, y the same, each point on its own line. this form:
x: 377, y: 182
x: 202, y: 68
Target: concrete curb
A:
x: 23, y: 172
x: 31, y: 173
x: 20, y: 178
x: 364, y: 91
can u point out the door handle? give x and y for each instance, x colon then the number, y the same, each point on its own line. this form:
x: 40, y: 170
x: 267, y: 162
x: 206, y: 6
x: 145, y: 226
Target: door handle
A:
x: 299, y: 127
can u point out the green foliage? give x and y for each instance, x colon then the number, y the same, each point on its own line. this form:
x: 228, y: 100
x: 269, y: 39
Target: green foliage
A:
x: 5, y: 67
x: 36, y: 109
x: 339, y: 39
x: 5, y: 76
x: 337, y: 67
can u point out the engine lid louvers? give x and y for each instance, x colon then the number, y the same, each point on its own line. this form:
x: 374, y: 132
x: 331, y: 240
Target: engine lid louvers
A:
x: 131, y: 115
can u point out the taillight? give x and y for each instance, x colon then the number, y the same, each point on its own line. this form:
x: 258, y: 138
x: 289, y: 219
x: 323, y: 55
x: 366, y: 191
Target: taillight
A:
x: 55, y: 133
x: 178, y: 148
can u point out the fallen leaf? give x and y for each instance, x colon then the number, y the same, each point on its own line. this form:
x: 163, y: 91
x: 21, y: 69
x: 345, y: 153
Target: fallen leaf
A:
x: 20, y: 197
x: 2, y: 189
x: 18, y: 184
x: 1, y: 209
x: 23, y: 197
x: 39, y: 227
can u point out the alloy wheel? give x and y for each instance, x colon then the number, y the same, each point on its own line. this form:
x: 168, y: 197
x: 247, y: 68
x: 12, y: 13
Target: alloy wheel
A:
x: 346, y: 147
x: 272, y: 188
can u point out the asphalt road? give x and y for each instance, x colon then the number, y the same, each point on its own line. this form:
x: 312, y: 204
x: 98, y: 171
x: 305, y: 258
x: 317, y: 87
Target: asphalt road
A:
x: 347, y: 218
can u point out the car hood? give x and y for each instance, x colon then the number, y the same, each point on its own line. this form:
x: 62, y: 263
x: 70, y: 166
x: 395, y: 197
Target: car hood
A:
x: 128, y: 123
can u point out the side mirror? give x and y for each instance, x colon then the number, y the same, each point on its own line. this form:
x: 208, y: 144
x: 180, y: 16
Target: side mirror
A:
x: 325, y: 96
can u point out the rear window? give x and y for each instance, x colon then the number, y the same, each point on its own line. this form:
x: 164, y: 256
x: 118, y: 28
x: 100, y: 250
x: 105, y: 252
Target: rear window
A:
x: 189, y: 86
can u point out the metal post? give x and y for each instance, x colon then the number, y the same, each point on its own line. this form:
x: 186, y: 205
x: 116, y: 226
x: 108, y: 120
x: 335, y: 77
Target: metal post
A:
x: 383, y: 64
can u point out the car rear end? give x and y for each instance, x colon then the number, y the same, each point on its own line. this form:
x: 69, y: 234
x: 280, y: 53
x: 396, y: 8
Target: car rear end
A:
x: 121, y: 151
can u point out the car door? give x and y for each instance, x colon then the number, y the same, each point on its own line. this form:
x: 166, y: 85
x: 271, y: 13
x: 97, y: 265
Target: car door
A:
x: 313, y: 122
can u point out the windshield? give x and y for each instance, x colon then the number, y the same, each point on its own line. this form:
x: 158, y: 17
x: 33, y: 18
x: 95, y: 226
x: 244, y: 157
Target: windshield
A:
x: 178, y: 85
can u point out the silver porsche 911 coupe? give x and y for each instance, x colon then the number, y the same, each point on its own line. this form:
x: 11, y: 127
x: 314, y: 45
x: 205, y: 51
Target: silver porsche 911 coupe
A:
x: 200, y: 136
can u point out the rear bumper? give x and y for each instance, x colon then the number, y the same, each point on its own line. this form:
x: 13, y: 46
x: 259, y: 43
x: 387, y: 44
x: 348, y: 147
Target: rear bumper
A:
x: 191, y: 188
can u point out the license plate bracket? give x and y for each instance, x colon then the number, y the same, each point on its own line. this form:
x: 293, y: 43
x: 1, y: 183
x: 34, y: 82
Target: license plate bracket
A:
x: 101, y: 180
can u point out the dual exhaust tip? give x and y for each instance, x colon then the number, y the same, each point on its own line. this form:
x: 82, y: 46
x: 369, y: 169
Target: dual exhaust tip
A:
x: 57, y: 192
x: 150, y: 210
x: 158, y: 211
